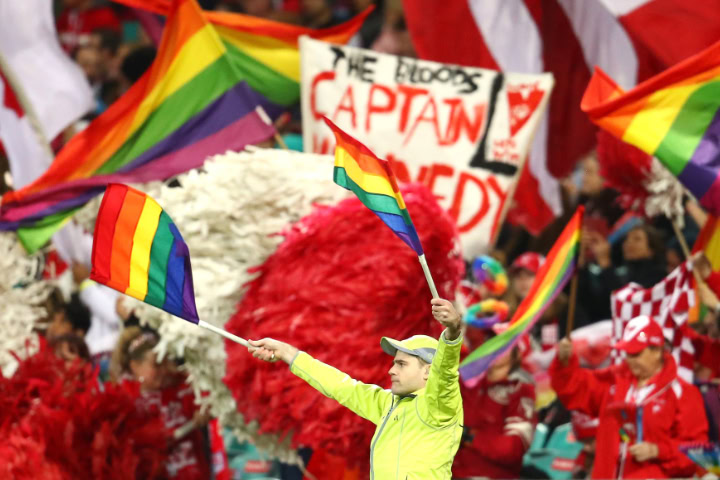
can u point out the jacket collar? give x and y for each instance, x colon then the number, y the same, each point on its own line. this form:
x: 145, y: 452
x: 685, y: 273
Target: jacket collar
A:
x: 660, y: 380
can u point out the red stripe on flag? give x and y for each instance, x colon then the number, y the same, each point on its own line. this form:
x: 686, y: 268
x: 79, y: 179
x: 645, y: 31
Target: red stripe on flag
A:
x: 563, y: 56
x: 436, y: 38
x: 107, y: 218
x: 122, y: 239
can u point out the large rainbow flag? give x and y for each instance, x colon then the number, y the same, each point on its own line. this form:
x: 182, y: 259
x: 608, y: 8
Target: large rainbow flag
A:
x: 138, y: 250
x: 265, y: 52
x: 674, y: 116
x: 557, y: 270
x: 191, y: 104
x: 373, y: 181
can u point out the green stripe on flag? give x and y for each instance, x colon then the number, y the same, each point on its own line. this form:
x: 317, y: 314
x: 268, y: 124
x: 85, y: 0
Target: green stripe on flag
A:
x: 688, y: 128
x: 159, y: 256
x: 177, y: 109
x: 374, y: 201
x: 273, y: 85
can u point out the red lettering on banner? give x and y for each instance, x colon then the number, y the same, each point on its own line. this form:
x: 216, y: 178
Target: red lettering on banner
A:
x: 320, y: 77
x: 321, y: 148
x: 460, y: 121
x: 433, y: 120
x: 350, y: 107
x: 410, y: 93
x: 373, y: 108
x: 399, y: 168
x: 454, y: 210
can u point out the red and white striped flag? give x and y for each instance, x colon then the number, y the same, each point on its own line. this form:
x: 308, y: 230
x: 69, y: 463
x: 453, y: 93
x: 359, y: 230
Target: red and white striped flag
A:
x: 628, y: 39
x: 27, y: 156
x: 52, y: 85
x: 669, y: 303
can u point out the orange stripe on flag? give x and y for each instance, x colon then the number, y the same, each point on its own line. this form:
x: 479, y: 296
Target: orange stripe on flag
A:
x: 122, y: 243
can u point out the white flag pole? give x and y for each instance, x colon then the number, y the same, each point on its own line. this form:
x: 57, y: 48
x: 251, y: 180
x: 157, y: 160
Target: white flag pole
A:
x: 428, y: 277
x: 224, y: 333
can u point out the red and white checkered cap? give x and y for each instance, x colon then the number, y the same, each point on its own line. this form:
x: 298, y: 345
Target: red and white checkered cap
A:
x: 641, y: 332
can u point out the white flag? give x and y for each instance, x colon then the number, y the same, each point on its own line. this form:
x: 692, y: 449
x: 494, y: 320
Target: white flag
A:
x: 54, y: 85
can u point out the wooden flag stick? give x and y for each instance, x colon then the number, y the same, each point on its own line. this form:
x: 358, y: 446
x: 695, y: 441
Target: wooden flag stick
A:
x: 428, y: 277
x: 224, y: 333
x: 573, y: 288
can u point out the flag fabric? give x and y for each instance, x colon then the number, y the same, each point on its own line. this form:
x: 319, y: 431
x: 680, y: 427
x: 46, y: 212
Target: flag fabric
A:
x: 669, y: 303
x: 674, y: 116
x: 373, y: 181
x: 191, y: 104
x: 266, y: 53
x: 54, y: 85
x: 567, y: 38
x: 708, y: 242
x: 27, y: 156
x: 559, y: 267
x: 138, y: 251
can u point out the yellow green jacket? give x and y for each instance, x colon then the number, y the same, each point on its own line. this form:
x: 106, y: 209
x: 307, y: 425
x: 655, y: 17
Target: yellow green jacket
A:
x: 417, y: 435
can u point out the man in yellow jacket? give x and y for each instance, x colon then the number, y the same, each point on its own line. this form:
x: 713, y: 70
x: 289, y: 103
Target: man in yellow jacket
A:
x: 419, y: 420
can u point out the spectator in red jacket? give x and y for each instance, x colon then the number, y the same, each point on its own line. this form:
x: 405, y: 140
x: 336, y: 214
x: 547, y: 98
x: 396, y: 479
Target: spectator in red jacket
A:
x: 499, y: 419
x: 645, y: 410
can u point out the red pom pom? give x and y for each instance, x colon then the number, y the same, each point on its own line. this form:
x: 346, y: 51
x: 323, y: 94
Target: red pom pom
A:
x: 625, y: 168
x: 58, y: 413
x: 339, y: 282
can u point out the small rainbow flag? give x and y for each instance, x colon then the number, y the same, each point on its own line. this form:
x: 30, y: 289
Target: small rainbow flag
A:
x: 373, y: 181
x: 674, y: 116
x: 191, y: 104
x: 265, y: 52
x: 557, y: 270
x: 138, y: 250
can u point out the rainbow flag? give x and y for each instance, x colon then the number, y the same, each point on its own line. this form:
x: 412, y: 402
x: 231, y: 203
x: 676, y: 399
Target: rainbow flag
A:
x: 708, y: 242
x: 557, y: 270
x: 191, y: 104
x: 674, y: 116
x: 138, y: 251
x: 266, y: 53
x: 373, y: 181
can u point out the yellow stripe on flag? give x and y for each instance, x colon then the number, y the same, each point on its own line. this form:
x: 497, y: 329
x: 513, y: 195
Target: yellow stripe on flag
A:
x: 650, y: 125
x: 195, y: 56
x: 272, y: 52
x: 142, y: 243
x: 368, y: 182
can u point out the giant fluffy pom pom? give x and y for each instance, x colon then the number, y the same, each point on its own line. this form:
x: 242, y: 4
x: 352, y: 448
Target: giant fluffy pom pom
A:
x: 58, y: 424
x: 339, y: 281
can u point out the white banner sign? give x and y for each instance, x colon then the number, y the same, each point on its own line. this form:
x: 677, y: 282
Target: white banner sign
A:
x: 462, y: 131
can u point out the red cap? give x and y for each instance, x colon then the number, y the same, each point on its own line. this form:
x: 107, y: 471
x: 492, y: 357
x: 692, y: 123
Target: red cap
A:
x: 641, y: 332
x: 529, y: 261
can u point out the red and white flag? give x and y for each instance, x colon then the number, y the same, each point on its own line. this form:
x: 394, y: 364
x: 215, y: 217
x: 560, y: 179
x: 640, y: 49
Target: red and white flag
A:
x: 53, y: 84
x: 27, y: 156
x: 629, y: 39
x: 669, y: 303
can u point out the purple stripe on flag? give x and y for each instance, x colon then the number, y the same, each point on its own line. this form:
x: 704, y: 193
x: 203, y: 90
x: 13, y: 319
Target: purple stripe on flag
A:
x: 188, y: 301
x: 701, y: 174
x: 471, y: 372
x: 244, y: 131
x: 28, y: 214
x: 225, y: 110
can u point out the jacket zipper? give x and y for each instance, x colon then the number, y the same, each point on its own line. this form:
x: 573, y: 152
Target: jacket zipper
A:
x: 372, y: 447
x: 402, y: 425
